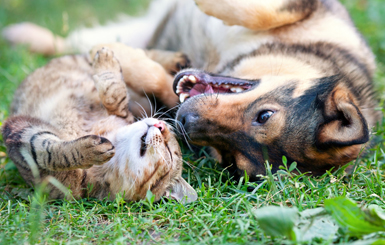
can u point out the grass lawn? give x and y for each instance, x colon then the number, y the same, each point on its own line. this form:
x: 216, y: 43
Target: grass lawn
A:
x: 226, y: 212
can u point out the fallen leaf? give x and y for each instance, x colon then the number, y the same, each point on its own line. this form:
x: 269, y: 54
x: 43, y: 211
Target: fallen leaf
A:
x: 352, y: 219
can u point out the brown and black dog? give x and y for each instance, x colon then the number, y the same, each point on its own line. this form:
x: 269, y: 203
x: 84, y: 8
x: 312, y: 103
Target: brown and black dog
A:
x: 272, y: 78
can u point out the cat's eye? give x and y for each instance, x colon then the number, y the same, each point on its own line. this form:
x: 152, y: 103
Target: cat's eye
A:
x: 262, y: 117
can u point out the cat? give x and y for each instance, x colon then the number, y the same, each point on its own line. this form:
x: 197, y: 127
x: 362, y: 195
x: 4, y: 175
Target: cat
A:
x: 70, y: 120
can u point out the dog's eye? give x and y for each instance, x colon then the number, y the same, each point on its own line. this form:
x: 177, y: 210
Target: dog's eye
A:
x: 264, y: 116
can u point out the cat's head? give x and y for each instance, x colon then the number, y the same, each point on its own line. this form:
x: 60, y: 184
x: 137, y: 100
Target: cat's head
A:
x: 148, y: 157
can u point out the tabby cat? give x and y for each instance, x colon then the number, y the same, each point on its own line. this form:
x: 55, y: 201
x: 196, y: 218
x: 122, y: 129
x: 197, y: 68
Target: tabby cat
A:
x: 70, y: 120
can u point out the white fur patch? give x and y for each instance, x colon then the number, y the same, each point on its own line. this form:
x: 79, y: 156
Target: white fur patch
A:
x: 127, y: 142
x: 136, y: 32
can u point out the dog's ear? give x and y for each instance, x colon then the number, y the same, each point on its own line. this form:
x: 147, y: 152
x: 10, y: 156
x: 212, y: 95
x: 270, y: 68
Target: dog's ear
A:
x: 343, y: 124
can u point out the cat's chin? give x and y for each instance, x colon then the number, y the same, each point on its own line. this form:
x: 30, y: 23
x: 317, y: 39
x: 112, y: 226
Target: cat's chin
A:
x: 147, y: 157
x: 144, y: 157
x: 141, y: 142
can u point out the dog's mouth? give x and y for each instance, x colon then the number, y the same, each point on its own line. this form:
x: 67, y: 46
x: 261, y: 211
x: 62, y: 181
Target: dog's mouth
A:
x: 189, y: 84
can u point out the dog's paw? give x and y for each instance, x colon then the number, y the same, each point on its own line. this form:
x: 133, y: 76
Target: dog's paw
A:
x: 228, y: 11
x: 180, y: 62
x: 208, y: 6
x: 38, y: 39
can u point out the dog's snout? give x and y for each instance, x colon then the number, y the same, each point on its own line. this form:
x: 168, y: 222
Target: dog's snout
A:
x: 188, y: 119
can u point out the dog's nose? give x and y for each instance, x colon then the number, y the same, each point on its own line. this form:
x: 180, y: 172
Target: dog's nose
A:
x: 188, y: 119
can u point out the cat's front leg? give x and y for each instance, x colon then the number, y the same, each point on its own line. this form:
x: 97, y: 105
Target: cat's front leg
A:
x: 32, y: 142
x: 110, y: 85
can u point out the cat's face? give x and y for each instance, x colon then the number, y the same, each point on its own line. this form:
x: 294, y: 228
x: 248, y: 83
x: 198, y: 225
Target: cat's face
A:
x: 149, y: 158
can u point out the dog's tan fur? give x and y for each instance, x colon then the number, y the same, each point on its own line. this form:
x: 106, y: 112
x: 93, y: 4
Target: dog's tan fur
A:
x: 307, y: 63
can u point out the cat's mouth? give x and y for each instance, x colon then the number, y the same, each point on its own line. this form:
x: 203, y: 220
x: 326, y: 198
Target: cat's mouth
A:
x: 146, y: 143
x: 143, y: 145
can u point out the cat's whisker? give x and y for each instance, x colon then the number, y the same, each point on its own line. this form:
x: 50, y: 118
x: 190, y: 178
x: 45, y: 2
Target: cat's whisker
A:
x: 181, y: 127
x: 189, y: 164
x: 172, y: 108
x: 145, y: 113
x: 149, y: 101
x: 153, y: 96
x: 159, y: 111
x: 185, y: 135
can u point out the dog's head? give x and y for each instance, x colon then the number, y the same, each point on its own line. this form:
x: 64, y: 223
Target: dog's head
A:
x: 315, y: 122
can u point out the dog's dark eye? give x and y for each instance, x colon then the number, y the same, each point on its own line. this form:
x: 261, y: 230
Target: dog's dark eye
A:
x: 264, y: 116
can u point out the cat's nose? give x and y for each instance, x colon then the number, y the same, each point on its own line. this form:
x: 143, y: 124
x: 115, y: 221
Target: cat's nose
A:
x: 160, y: 125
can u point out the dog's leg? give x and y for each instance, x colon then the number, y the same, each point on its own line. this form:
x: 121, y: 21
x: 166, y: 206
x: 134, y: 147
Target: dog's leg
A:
x: 258, y: 14
x: 135, y: 32
x: 173, y: 62
x: 142, y: 74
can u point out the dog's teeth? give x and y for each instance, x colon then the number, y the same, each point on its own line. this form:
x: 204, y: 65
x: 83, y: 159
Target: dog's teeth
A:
x: 225, y: 86
x: 179, y: 88
x: 192, y: 79
x: 236, y: 89
x: 183, y: 97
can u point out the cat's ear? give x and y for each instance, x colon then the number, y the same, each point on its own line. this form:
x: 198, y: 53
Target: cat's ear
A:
x: 182, y: 192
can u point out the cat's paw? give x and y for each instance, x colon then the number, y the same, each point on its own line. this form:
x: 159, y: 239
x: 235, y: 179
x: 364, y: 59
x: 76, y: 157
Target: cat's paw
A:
x: 95, y: 150
x: 105, y: 61
x: 109, y: 82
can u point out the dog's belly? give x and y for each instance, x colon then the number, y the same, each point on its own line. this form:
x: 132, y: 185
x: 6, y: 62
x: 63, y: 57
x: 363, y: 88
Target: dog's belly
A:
x: 210, y: 44
x: 207, y: 41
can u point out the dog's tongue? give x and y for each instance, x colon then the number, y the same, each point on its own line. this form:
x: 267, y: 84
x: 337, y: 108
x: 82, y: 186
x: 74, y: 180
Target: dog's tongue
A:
x: 201, y: 89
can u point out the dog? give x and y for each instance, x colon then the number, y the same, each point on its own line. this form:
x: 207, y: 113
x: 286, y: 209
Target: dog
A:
x: 271, y: 78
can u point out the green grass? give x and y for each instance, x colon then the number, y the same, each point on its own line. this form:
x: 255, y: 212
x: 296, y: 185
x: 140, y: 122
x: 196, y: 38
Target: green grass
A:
x: 224, y: 210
